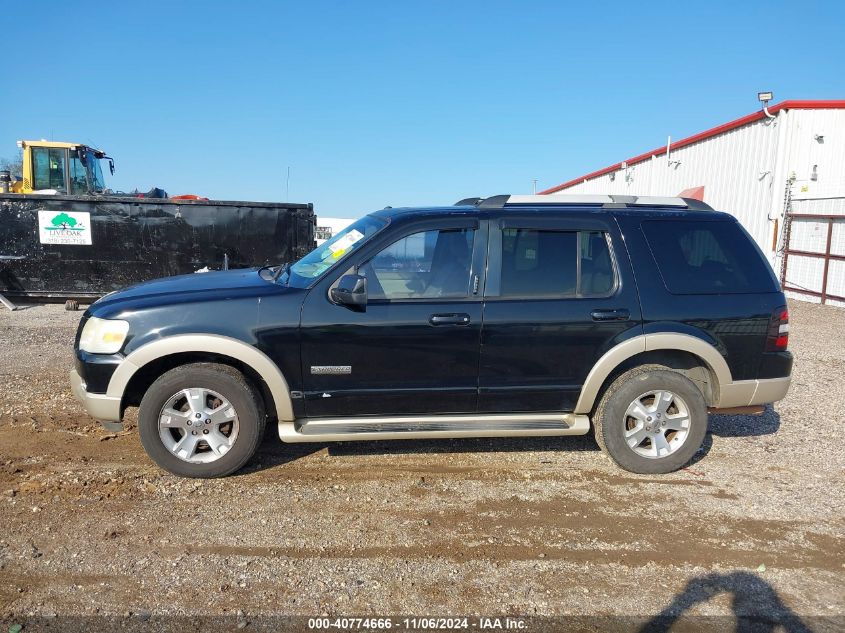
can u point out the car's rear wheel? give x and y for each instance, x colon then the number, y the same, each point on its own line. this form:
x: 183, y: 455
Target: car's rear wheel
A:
x: 201, y: 420
x: 651, y: 420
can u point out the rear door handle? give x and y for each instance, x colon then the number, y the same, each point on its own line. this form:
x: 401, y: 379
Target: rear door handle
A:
x: 610, y: 315
x: 449, y: 319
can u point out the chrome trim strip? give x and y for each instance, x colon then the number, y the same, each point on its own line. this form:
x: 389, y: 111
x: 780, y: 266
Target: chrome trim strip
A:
x: 574, y: 199
x: 558, y: 199
x: 433, y: 426
x: 659, y: 201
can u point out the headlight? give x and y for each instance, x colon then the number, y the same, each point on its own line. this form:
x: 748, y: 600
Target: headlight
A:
x: 103, y: 336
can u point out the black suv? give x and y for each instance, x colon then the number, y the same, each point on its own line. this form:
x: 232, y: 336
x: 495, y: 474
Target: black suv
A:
x: 507, y: 316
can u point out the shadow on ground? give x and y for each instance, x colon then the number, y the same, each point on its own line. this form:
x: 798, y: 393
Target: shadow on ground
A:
x: 755, y: 604
x: 745, y: 425
x: 737, y: 426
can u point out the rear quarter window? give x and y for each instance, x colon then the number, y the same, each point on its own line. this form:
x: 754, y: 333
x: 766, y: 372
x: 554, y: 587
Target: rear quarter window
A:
x: 710, y: 257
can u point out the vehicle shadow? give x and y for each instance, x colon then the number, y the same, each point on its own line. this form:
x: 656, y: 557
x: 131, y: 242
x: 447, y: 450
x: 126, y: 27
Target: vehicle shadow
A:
x: 767, y: 423
x: 272, y: 452
x: 755, y: 604
x: 466, y: 445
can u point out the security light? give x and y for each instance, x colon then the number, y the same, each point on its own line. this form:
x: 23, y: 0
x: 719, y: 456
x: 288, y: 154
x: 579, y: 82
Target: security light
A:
x: 764, y: 98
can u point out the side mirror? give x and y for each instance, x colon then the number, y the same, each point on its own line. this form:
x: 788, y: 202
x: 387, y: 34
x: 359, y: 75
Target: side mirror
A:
x: 351, y: 291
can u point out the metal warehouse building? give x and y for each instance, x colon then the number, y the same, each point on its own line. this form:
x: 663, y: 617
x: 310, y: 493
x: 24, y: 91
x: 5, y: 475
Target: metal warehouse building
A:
x: 780, y: 171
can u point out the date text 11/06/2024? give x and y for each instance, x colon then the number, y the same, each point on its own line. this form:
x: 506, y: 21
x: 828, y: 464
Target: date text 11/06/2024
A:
x: 412, y: 624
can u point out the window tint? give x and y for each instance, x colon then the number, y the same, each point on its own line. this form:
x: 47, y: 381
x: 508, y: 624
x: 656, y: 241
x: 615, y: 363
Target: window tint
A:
x: 49, y: 169
x: 540, y: 263
x: 429, y: 264
x: 596, y: 264
x: 707, y: 258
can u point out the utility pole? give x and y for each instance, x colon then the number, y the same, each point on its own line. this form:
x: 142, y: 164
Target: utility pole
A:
x: 534, y: 190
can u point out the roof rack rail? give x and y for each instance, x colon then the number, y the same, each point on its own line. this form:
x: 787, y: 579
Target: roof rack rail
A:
x: 604, y: 201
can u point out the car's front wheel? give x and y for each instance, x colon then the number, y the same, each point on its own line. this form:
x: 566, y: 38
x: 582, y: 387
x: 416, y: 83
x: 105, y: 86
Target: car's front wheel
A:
x: 201, y: 420
x: 651, y: 420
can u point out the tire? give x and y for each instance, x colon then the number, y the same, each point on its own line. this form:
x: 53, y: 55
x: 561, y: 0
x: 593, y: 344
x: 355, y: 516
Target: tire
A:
x: 631, y: 419
x: 231, y: 420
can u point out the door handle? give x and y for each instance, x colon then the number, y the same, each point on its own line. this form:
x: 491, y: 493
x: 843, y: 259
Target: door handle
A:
x: 449, y: 319
x: 610, y: 315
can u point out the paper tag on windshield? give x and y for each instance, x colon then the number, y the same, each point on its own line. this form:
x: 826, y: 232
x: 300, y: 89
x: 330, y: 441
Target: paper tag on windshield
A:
x: 346, y: 241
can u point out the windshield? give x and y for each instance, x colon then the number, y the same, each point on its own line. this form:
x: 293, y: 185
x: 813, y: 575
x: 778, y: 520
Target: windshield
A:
x: 315, y: 263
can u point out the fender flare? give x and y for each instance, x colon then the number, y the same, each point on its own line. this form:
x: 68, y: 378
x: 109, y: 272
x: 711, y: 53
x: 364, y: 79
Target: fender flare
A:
x: 647, y: 343
x: 216, y: 344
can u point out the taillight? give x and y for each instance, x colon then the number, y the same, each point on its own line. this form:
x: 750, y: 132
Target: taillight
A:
x: 777, y: 338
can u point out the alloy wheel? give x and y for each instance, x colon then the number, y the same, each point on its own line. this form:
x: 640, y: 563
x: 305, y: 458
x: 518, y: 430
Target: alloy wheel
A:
x: 198, y: 425
x: 657, y: 424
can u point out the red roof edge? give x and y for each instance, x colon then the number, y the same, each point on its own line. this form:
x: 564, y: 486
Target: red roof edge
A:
x: 719, y: 129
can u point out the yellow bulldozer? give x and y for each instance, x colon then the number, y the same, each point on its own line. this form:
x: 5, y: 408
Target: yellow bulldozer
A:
x: 59, y: 168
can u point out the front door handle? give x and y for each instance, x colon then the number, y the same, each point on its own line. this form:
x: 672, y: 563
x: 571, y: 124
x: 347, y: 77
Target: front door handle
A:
x: 449, y: 319
x: 610, y: 315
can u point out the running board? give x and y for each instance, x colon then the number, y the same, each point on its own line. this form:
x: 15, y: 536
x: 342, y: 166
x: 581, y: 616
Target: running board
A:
x: 433, y: 426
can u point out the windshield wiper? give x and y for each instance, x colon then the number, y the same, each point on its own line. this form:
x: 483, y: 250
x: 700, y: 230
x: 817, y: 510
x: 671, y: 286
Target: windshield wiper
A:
x: 283, y: 268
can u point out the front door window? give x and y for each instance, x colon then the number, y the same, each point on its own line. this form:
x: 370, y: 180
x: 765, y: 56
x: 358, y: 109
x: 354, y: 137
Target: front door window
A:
x: 425, y: 265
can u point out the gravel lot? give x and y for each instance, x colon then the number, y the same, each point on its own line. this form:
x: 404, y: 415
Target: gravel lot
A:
x: 493, y: 527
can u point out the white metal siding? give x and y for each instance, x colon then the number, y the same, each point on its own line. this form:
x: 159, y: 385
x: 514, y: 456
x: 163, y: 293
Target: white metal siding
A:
x: 728, y: 166
x: 745, y: 171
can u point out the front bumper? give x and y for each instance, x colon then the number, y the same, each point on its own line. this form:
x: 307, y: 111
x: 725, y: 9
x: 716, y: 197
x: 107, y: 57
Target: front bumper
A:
x: 99, y: 406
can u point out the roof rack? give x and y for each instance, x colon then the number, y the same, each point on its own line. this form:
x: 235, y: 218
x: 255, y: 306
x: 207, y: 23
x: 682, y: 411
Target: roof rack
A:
x: 603, y: 201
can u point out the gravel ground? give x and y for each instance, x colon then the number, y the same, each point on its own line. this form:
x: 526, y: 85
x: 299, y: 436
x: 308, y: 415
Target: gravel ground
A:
x: 536, y: 527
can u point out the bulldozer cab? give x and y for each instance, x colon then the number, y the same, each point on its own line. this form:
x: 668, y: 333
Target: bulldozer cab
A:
x: 64, y: 168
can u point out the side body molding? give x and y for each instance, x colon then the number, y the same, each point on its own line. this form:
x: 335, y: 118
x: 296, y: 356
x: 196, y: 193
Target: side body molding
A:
x: 216, y: 344
x: 646, y: 343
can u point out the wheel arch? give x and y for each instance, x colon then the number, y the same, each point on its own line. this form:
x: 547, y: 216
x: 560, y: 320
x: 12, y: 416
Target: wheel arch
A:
x: 681, y: 352
x: 149, y: 361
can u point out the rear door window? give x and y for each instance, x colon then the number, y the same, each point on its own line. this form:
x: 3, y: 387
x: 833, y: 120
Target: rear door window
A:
x: 707, y: 258
x: 554, y: 263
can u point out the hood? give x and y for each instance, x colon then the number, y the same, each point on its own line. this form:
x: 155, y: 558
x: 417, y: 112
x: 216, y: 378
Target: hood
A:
x: 227, y: 284
x: 196, y: 282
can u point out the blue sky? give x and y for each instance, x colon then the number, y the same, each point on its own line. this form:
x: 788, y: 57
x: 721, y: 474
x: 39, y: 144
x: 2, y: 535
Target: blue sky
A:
x: 397, y: 103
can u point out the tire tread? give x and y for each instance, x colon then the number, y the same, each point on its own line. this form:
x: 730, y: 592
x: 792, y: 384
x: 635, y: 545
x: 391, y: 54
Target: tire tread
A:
x: 162, y: 388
